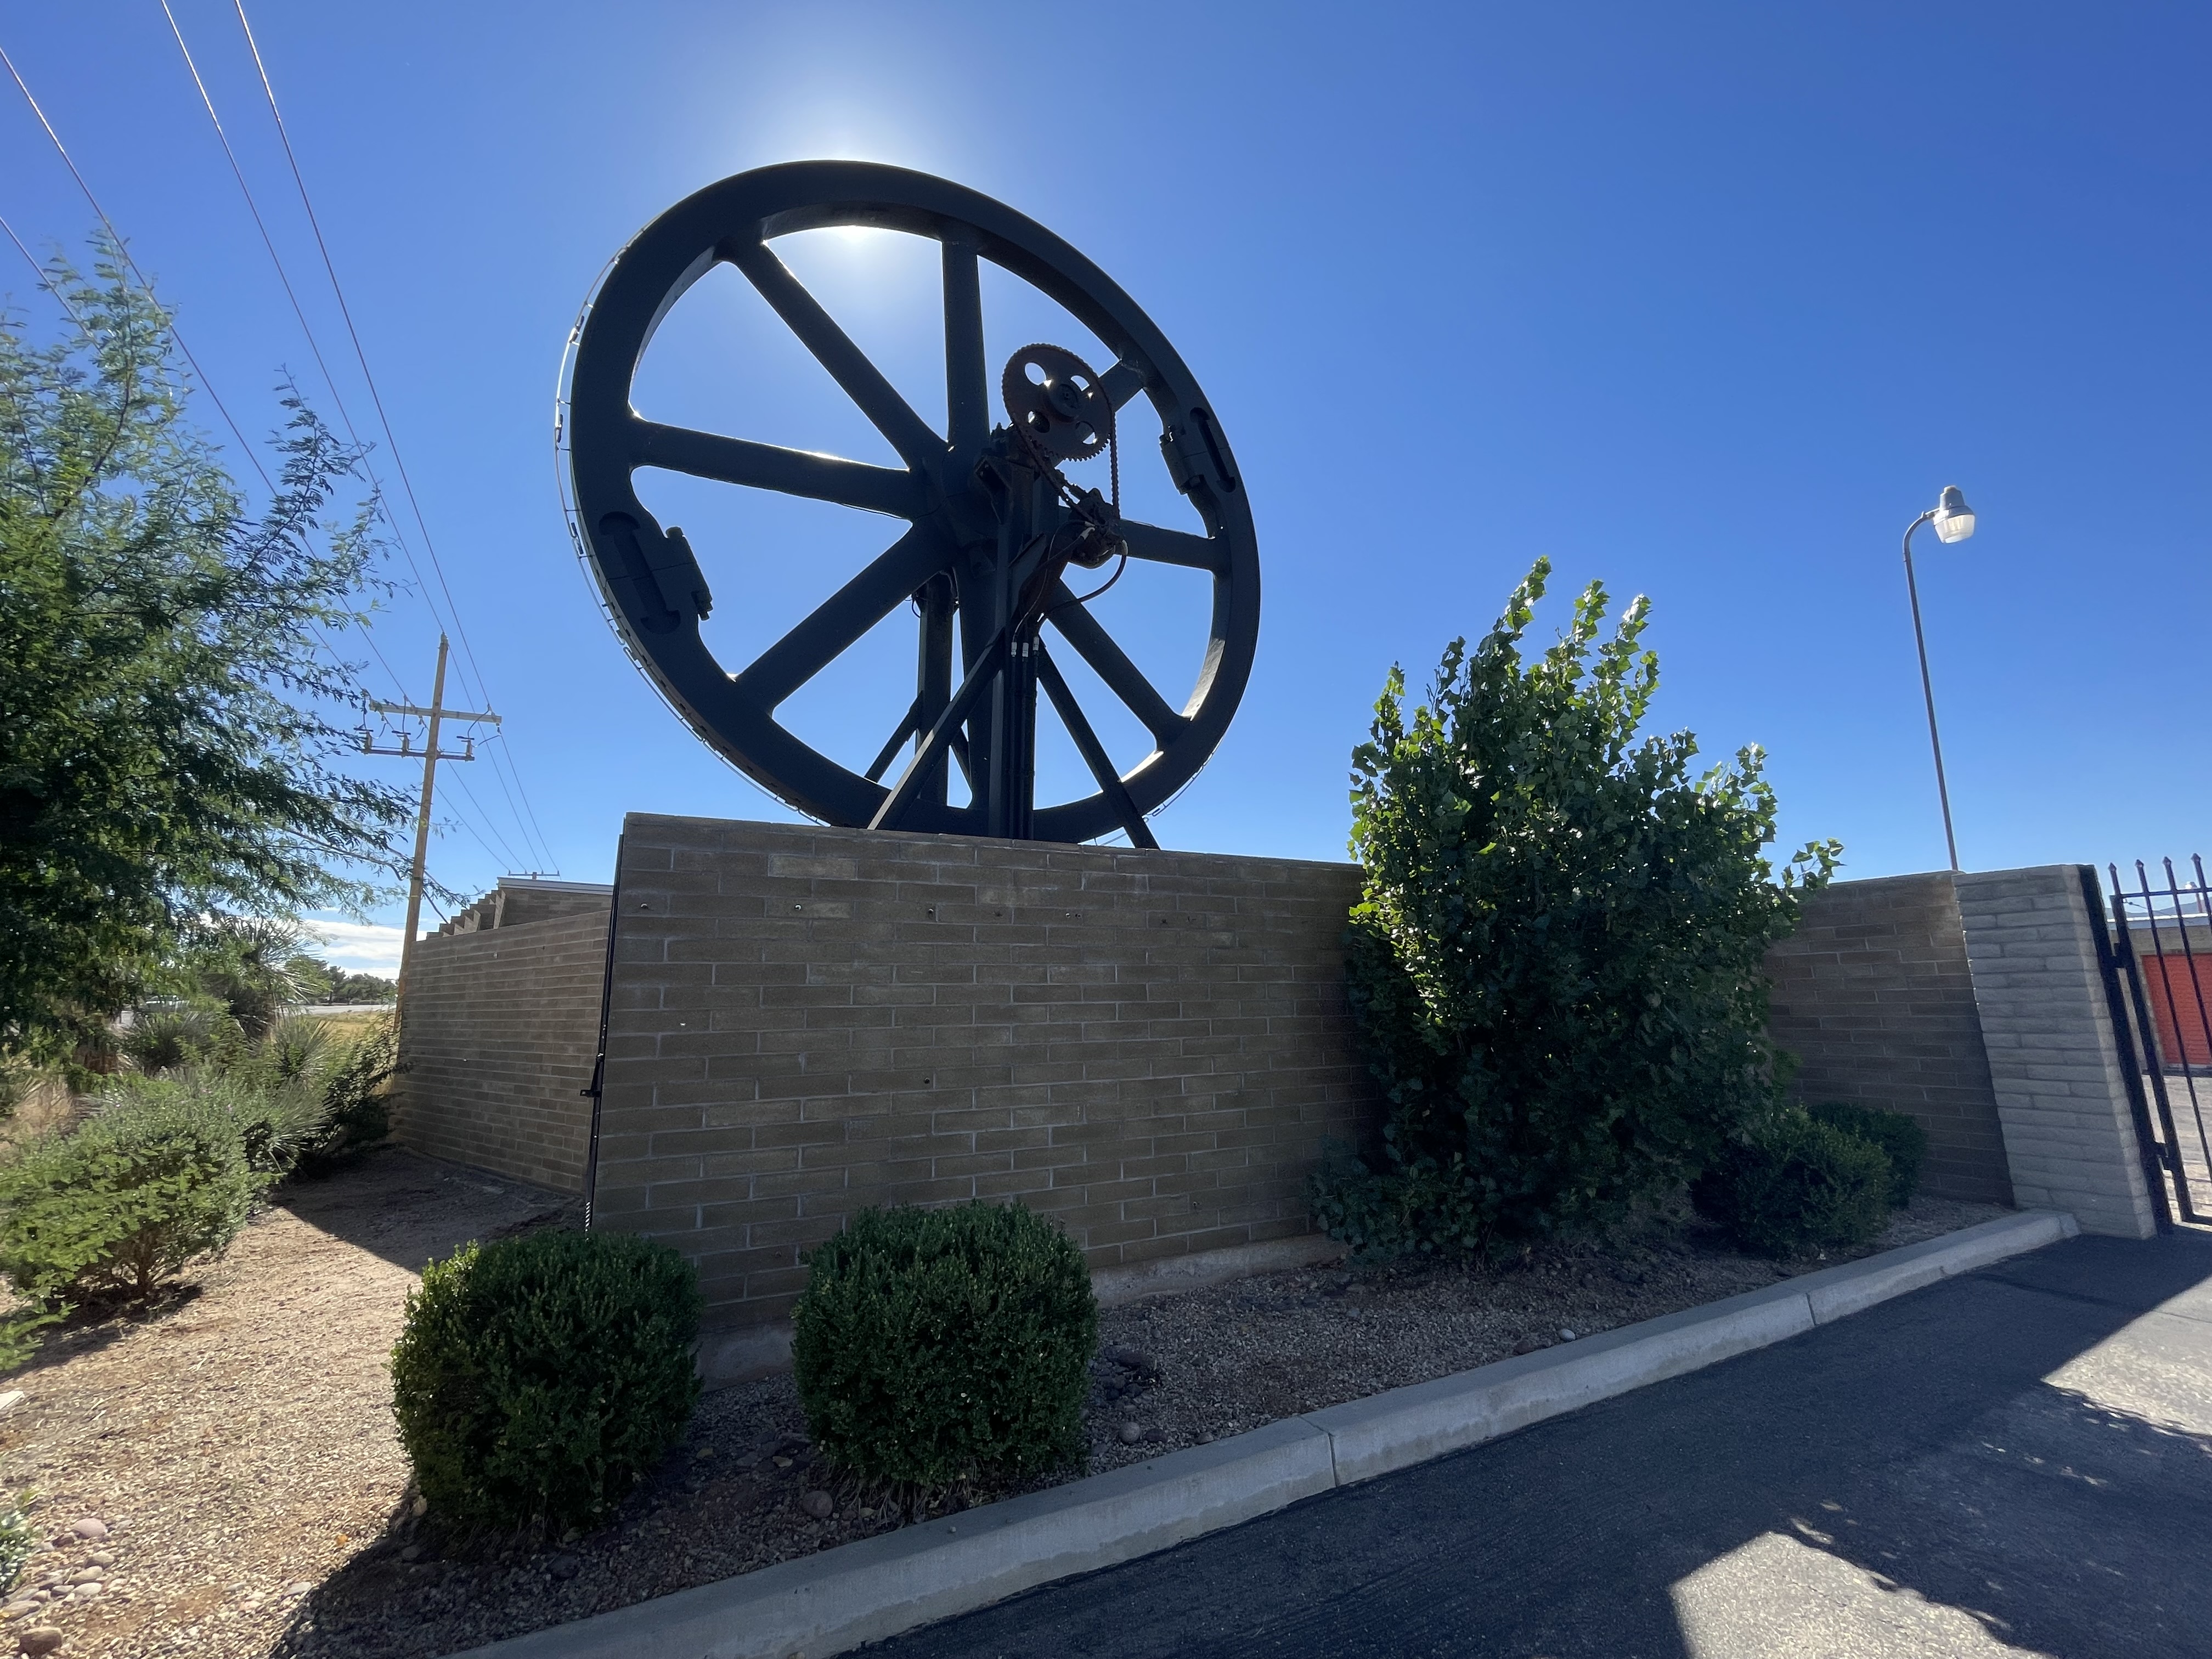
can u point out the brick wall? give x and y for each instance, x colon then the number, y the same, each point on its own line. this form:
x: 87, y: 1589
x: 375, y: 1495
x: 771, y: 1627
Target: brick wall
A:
x: 1874, y: 996
x: 2062, y: 1096
x: 1149, y: 1046
x: 498, y: 1031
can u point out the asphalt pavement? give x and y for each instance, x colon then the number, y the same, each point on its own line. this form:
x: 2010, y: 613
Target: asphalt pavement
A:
x: 2018, y: 1461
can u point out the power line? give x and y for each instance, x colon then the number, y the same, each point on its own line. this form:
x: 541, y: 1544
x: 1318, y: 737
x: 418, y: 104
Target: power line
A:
x: 260, y: 224
x: 207, y: 383
x: 46, y: 280
x: 468, y: 649
x: 115, y: 238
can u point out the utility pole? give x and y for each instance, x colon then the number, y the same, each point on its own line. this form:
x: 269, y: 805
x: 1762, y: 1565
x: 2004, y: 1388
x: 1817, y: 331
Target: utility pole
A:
x: 436, y: 714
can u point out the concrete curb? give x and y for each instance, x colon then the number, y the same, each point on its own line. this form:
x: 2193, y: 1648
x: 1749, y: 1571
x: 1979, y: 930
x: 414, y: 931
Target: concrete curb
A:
x: 829, y: 1603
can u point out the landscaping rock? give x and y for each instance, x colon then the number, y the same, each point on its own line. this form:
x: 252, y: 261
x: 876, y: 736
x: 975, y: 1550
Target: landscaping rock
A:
x: 1566, y: 1335
x: 1134, y: 1359
x: 1131, y: 1433
x: 819, y: 1504
x: 11, y: 1399
x: 563, y: 1565
x: 91, y: 1529
x: 41, y: 1638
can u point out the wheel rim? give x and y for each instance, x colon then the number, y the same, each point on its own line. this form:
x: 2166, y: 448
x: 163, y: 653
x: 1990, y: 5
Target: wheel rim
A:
x: 655, y: 593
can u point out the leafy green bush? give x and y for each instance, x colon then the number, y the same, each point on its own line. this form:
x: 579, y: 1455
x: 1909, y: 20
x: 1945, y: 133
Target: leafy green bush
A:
x: 934, y: 1345
x: 1556, y: 960
x: 1794, y: 1185
x: 1900, y: 1136
x: 540, y: 1378
x: 275, y: 1123
x: 125, y: 1200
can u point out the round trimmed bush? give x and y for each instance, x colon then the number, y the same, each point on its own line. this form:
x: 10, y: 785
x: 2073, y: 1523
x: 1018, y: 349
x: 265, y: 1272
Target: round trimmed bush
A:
x: 930, y: 1345
x: 1900, y: 1136
x: 123, y: 1201
x: 1795, y: 1186
x: 540, y: 1378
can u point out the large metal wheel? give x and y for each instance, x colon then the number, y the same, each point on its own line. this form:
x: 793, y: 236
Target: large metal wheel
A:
x: 991, y: 524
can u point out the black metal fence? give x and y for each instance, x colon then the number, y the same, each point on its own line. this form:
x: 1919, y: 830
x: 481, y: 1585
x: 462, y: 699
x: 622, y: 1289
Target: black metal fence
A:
x: 2163, y: 939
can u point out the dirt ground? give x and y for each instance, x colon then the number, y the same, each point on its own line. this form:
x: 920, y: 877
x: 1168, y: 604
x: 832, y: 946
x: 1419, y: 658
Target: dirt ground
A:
x: 238, y: 1445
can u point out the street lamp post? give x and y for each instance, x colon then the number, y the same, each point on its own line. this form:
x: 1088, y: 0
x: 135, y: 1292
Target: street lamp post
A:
x: 1954, y: 521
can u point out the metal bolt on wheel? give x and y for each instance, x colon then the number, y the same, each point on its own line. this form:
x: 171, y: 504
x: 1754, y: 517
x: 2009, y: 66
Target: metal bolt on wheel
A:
x: 992, y: 521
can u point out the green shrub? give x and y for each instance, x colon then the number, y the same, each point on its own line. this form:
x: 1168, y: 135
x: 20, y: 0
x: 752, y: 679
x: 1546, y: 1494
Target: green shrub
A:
x: 540, y: 1378
x: 17, y: 1542
x: 125, y: 1200
x: 1794, y: 1185
x: 165, y: 1038
x: 277, y: 1122
x: 932, y: 1345
x: 1900, y: 1136
x: 1556, y: 961
x: 352, y: 1081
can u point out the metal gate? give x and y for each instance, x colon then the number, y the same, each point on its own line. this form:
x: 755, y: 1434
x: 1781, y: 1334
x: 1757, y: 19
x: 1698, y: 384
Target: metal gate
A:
x: 2163, y: 944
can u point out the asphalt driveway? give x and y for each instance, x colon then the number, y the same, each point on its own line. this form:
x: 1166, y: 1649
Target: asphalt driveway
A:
x: 2017, y: 1461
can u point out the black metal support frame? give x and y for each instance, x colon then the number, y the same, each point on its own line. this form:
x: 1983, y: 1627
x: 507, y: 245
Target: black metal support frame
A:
x: 986, y: 518
x: 2182, y: 1147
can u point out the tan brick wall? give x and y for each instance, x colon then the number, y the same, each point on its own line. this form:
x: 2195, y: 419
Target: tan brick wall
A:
x: 1150, y: 1047
x: 497, y: 1035
x: 1874, y: 995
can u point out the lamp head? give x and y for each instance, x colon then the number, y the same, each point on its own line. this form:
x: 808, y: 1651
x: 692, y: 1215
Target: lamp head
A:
x: 1953, y: 519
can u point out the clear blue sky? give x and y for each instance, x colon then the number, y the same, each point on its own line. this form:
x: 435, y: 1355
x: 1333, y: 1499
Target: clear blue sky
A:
x: 1704, y: 301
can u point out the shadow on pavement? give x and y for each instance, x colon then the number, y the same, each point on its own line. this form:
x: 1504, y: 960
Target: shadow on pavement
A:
x: 2020, y: 1459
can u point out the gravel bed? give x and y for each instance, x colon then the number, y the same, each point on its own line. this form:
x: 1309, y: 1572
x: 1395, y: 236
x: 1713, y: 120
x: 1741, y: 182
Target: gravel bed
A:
x: 239, y: 1447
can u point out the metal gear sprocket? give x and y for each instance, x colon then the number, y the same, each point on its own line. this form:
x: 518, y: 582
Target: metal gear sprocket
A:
x: 1063, y: 412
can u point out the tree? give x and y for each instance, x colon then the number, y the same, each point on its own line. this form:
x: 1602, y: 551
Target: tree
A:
x: 167, y: 754
x: 1556, y: 960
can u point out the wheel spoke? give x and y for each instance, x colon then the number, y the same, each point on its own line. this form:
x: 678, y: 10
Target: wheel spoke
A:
x: 766, y: 466
x: 967, y: 376
x: 1106, y: 660
x: 889, y: 752
x: 1121, y: 382
x: 1159, y: 545
x: 842, y: 618
x: 864, y: 383
x: 1093, y: 751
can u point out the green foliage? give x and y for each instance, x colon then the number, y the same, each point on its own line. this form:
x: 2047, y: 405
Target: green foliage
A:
x: 1794, y: 1185
x: 305, y: 1099
x: 1556, y: 960
x: 540, y: 1378
x: 126, y: 1201
x: 351, y: 1081
x: 17, y: 1542
x: 932, y: 1345
x: 242, y: 962
x: 164, y: 1036
x: 1899, y: 1136
x: 19, y: 1340
x: 274, y: 1123
x: 168, y: 752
